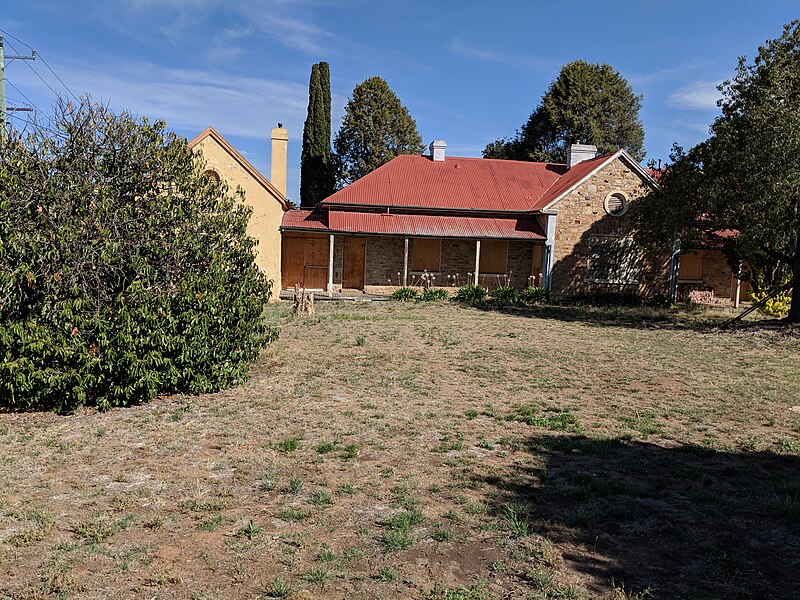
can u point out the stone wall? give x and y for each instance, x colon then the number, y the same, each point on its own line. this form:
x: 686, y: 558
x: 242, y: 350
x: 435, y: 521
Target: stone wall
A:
x: 582, y: 214
x: 458, y: 259
x: 520, y: 263
x: 384, y: 260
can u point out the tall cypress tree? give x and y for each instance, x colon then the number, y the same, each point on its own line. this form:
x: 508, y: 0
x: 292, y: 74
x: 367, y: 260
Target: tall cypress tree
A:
x: 316, y: 174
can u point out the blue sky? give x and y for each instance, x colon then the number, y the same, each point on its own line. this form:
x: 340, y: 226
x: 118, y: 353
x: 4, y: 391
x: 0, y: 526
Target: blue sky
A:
x: 468, y: 71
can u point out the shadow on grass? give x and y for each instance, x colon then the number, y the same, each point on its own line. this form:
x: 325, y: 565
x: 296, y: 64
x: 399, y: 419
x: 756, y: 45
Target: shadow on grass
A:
x: 692, y: 318
x: 686, y: 522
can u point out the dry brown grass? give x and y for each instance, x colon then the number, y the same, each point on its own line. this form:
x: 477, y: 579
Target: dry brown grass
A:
x: 429, y: 451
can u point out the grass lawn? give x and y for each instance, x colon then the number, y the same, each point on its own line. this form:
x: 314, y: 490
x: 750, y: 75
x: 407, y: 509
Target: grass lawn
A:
x: 430, y: 451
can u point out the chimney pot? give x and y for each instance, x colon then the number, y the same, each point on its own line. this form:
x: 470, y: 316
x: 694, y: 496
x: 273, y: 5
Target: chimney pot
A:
x: 437, y: 150
x: 577, y: 153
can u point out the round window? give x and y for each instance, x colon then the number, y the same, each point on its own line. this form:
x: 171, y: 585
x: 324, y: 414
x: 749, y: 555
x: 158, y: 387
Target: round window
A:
x: 211, y: 175
x: 616, y: 204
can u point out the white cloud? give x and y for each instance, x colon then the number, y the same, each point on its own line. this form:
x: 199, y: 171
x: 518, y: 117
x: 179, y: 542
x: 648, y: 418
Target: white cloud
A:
x: 698, y: 95
x: 187, y: 99
x: 513, y: 60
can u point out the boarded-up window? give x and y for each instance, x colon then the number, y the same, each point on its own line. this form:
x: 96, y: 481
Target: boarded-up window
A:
x: 691, y: 266
x: 612, y: 259
x: 426, y: 254
x: 304, y: 261
x: 494, y: 256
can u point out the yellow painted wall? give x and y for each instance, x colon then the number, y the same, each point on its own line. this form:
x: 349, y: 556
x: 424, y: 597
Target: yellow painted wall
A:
x: 267, y: 211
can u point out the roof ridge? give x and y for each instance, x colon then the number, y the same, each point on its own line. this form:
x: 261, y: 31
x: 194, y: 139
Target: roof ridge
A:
x: 226, y: 145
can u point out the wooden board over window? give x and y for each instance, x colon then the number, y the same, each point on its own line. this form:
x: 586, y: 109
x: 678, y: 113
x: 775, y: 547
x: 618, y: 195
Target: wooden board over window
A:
x: 494, y: 256
x: 691, y: 266
x: 304, y: 261
x: 426, y: 255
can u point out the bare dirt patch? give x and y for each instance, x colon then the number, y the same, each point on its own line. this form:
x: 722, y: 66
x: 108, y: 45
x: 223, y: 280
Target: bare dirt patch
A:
x: 429, y: 451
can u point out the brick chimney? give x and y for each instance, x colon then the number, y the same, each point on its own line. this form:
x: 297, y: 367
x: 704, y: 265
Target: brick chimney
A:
x: 437, y: 150
x: 280, y: 145
x: 577, y: 153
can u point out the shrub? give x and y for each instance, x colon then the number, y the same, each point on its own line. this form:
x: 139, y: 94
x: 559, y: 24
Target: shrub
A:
x: 504, y: 295
x: 774, y: 307
x: 533, y: 295
x: 124, y: 272
x: 470, y: 294
x: 404, y: 294
x: 433, y: 295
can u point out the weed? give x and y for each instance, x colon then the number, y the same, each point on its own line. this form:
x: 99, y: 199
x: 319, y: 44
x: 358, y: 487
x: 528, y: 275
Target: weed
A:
x: 100, y: 529
x: 471, y: 414
x: 351, y: 554
x: 360, y: 340
x: 442, y: 534
x: 295, y: 484
x: 395, y: 540
x: 555, y: 419
x: 289, y: 445
x: 329, y: 446
x: 250, y: 530
x: 278, y: 589
x: 515, y: 517
x: 26, y: 537
x: 211, y: 523
x: 387, y: 574
x: 321, y: 498
x: 541, y: 580
x: 293, y: 514
x: 476, y: 591
x: 326, y: 554
x: 350, y: 451
x: 789, y: 446
x: 318, y: 575
x: 346, y: 489
x: 154, y: 523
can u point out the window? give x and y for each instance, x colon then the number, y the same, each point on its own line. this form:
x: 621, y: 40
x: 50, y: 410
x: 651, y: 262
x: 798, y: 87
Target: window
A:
x: 211, y: 175
x: 426, y: 254
x: 691, y: 266
x: 612, y: 259
x: 616, y: 204
x: 494, y: 257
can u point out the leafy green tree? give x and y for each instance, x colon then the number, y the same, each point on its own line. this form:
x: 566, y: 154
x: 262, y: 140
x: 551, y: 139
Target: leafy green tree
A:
x: 317, y: 178
x: 746, y: 176
x: 376, y: 128
x: 586, y: 104
x: 124, y: 271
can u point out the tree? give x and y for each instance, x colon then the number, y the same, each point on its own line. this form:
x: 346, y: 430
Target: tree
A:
x: 125, y: 272
x: 376, y: 128
x: 746, y: 176
x: 586, y: 104
x: 317, y: 178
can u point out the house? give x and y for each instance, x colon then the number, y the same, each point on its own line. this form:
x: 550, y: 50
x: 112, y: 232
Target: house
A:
x: 705, y: 275
x: 446, y: 221
x: 266, y: 198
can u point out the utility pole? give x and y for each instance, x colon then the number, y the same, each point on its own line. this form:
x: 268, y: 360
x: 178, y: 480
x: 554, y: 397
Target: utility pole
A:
x: 4, y: 110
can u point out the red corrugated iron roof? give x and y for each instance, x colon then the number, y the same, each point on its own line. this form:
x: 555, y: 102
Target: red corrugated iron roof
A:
x: 305, y: 219
x: 455, y: 183
x: 439, y: 226
x: 568, y: 179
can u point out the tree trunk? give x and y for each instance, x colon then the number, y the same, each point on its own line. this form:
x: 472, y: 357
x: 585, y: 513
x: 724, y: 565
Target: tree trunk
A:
x: 794, y: 308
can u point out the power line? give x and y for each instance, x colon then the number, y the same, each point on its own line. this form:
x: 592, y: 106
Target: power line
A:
x: 30, y: 102
x: 3, y: 31
x: 46, y: 64
x: 57, y: 77
x: 35, y: 72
